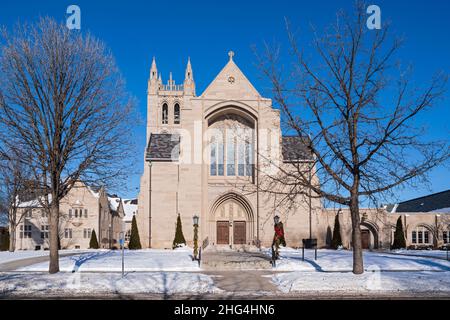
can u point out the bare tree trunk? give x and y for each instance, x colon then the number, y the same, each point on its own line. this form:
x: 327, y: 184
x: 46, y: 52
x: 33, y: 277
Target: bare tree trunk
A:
x: 358, y: 266
x: 12, y: 239
x: 54, y: 232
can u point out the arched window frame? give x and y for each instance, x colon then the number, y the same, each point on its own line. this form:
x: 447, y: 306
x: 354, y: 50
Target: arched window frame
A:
x: 421, y: 235
x: 176, y: 113
x: 446, y: 235
x: 231, y: 151
x: 165, y: 113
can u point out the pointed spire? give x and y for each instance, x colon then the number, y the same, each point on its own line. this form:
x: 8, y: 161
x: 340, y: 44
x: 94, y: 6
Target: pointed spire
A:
x: 160, y: 78
x: 189, y: 75
x: 189, y: 84
x: 153, y: 69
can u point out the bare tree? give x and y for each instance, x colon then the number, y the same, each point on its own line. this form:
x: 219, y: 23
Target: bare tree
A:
x: 357, y: 115
x: 64, y: 106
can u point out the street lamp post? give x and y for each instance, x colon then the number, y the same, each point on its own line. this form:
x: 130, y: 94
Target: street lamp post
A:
x: 195, y: 219
x: 122, y: 245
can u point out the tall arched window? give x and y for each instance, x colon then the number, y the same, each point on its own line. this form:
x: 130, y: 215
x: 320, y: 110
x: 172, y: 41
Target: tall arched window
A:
x: 176, y: 114
x: 231, y: 146
x: 165, y: 114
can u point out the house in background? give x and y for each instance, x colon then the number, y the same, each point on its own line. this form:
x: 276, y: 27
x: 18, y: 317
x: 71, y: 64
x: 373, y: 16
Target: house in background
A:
x: 82, y: 211
x: 426, y: 219
x: 426, y: 223
x: 130, y: 210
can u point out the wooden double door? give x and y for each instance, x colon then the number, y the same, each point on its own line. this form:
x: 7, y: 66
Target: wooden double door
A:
x: 239, y: 232
x: 365, y: 239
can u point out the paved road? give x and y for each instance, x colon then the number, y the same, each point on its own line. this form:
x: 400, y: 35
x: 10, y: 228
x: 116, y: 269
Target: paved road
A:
x: 16, y: 264
x: 224, y: 297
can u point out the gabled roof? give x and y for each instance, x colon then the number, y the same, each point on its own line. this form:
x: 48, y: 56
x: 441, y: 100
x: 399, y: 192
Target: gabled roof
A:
x: 295, y: 148
x: 130, y: 207
x: 163, y: 147
x: 433, y: 202
x: 231, y: 84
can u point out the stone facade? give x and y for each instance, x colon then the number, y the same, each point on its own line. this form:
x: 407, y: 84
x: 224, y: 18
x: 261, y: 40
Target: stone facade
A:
x: 422, y: 229
x: 188, y: 156
x: 187, y: 163
x: 81, y: 211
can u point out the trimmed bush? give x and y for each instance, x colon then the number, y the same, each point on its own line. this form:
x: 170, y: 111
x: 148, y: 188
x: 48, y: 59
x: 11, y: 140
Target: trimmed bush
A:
x: 93, y: 243
x: 399, y: 236
x: 135, y: 241
x: 329, y: 237
x: 179, y: 237
x: 336, y: 242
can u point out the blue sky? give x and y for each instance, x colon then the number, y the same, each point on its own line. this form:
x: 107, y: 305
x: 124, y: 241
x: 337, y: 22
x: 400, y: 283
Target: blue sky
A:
x: 206, y: 30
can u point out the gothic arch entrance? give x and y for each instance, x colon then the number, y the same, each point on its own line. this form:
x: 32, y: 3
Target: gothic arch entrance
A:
x: 231, y: 221
x: 369, y: 235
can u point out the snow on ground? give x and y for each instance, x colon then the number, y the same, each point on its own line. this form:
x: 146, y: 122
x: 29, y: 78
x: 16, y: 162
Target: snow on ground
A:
x: 341, y: 260
x: 104, y: 283
x: 145, y: 260
x: 6, y: 256
x: 426, y: 253
x: 337, y: 283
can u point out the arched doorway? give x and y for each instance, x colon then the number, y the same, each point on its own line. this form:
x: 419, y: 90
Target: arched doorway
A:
x: 369, y: 235
x: 232, y: 221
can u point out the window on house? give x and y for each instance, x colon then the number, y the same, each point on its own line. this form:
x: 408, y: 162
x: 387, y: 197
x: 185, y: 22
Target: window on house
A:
x: 68, y: 233
x: 76, y: 213
x: 176, y: 114
x: 70, y: 213
x: 25, y: 231
x: 85, y: 213
x: 87, y: 232
x: 44, y: 232
x: 165, y: 114
x: 446, y: 237
x: 426, y: 237
x: 421, y: 235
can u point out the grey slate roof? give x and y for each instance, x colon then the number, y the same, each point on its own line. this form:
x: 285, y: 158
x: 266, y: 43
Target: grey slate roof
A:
x: 294, y: 148
x: 428, y: 203
x: 163, y: 147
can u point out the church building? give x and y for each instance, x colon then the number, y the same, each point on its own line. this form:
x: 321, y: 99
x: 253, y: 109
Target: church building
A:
x: 211, y: 155
x: 206, y: 155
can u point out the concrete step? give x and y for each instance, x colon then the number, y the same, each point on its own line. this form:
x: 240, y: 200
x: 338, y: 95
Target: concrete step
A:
x: 233, y: 260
